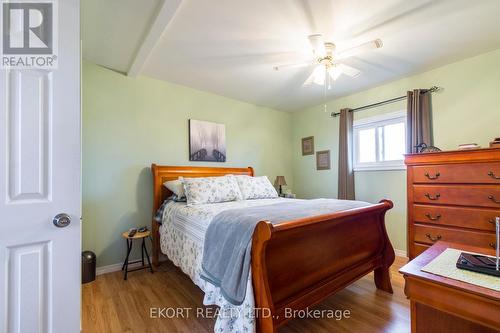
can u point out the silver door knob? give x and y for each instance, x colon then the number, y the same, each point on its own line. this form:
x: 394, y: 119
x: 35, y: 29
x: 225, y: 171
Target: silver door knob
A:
x: 61, y: 220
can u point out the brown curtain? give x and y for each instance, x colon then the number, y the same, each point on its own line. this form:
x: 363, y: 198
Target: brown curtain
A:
x: 346, y: 173
x: 419, y: 119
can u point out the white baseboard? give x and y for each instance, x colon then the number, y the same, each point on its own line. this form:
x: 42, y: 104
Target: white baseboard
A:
x: 118, y: 266
x: 114, y: 268
x: 400, y: 253
x: 108, y: 268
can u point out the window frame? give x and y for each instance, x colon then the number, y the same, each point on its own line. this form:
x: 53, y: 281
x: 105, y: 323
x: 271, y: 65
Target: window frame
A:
x: 376, y: 122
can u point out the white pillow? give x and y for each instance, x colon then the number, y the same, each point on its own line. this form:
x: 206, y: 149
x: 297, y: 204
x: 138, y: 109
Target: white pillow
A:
x: 176, y: 186
x: 211, y: 190
x: 256, y: 187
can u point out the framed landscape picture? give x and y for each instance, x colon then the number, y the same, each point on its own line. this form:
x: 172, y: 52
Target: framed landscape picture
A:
x: 207, y: 141
x: 323, y: 160
x: 308, y: 146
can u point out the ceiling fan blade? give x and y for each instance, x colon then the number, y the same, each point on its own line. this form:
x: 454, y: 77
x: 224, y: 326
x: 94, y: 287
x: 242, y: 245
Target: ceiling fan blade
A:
x: 335, y: 72
x: 348, y: 70
x: 317, y: 76
x: 296, y: 65
x: 309, y: 80
x: 374, y: 44
x: 318, y: 45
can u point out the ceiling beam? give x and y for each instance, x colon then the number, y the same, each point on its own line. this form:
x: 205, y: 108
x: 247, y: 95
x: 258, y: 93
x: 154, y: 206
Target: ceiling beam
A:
x: 165, y: 15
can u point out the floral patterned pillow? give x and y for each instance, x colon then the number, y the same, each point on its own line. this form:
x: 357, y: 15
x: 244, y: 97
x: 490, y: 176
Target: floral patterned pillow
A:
x: 176, y: 186
x: 211, y: 190
x: 256, y: 187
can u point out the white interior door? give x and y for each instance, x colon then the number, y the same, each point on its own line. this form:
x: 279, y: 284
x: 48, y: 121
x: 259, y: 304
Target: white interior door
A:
x: 40, y: 169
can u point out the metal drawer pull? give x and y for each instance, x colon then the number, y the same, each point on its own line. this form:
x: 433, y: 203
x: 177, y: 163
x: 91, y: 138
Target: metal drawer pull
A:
x: 492, y: 175
x: 430, y: 197
x: 492, y: 221
x: 429, y: 216
x: 436, y: 176
x: 493, y: 245
x: 492, y: 198
x: 434, y: 239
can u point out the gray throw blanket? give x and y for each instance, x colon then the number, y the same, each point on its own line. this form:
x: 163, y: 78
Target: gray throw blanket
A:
x: 227, y: 248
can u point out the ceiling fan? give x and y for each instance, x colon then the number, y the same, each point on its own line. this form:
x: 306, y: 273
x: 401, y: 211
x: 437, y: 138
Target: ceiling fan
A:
x: 328, y: 60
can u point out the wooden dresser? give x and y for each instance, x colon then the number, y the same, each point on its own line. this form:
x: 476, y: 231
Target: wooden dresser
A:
x: 453, y: 196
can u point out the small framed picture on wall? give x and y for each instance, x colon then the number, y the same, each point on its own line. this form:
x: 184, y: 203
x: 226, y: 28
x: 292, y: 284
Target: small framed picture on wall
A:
x: 323, y: 160
x: 308, y: 146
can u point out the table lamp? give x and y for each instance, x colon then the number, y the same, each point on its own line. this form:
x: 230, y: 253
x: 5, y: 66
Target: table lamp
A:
x: 280, y: 181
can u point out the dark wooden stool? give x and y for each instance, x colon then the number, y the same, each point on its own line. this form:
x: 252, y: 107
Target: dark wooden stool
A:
x: 138, y: 235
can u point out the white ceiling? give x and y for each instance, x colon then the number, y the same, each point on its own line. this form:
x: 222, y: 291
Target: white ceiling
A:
x: 229, y: 47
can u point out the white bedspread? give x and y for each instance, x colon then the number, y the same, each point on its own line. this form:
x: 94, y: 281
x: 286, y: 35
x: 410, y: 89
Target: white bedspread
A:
x: 182, y: 235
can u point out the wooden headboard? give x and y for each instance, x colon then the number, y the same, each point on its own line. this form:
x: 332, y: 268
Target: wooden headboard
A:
x: 163, y: 173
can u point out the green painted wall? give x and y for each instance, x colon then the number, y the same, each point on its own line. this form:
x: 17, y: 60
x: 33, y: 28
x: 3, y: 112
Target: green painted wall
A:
x: 130, y: 123
x: 466, y: 110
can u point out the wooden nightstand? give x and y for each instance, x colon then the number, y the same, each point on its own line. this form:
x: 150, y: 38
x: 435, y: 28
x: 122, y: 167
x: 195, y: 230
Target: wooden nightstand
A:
x: 440, y: 304
x: 138, y: 235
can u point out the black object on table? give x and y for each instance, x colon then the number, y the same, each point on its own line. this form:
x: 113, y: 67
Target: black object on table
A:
x: 143, y: 251
x: 478, y: 263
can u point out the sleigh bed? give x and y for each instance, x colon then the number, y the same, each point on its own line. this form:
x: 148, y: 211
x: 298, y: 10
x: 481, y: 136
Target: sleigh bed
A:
x: 296, y: 264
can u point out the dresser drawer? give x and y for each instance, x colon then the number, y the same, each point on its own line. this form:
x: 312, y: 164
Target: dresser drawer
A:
x: 474, y: 218
x: 471, y: 195
x: 430, y: 234
x: 418, y: 249
x: 486, y: 173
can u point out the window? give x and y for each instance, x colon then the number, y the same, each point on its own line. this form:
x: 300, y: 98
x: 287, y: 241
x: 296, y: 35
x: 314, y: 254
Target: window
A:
x: 380, y: 142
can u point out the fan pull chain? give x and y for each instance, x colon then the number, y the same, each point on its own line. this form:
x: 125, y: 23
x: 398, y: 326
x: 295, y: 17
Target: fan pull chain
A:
x: 324, y: 97
x: 325, y: 87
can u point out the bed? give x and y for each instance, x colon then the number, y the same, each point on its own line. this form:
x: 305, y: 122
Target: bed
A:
x: 332, y: 251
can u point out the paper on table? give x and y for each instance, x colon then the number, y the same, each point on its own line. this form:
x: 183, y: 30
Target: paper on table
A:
x: 445, y: 265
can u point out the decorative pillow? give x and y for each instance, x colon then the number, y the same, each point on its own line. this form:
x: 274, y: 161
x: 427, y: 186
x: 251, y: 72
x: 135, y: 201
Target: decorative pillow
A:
x: 256, y: 187
x: 176, y: 186
x: 211, y: 190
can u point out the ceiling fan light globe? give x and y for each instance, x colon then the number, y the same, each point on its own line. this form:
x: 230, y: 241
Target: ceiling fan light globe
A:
x: 319, y: 75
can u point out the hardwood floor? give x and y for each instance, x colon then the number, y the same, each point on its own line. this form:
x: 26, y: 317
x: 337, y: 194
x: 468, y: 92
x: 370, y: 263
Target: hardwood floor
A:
x: 111, y: 304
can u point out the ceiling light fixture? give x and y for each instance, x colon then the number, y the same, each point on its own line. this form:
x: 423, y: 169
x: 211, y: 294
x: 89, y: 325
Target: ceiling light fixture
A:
x: 328, y: 62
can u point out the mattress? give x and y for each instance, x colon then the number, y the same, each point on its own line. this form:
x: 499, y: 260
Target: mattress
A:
x: 182, y: 235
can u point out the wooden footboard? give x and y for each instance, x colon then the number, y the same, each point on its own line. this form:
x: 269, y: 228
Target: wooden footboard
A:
x: 297, y: 264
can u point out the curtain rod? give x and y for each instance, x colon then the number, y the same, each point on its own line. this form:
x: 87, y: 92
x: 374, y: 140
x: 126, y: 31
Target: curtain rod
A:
x: 388, y: 101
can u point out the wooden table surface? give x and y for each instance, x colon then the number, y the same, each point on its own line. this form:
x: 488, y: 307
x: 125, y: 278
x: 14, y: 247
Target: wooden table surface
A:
x: 413, y: 268
x: 439, y: 303
x: 137, y: 234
